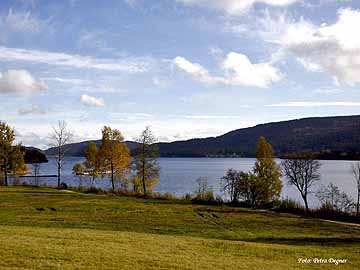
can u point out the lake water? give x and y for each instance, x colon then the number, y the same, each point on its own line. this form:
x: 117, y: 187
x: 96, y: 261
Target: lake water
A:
x: 178, y: 175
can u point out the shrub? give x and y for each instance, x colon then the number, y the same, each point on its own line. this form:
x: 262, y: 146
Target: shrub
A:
x: 95, y: 190
x: 289, y: 206
x: 331, y: 197
x: 187, y: 197
x: 63, y: 185
x: 219, y: 200
x: 204, y: 197
x: 167, y: 196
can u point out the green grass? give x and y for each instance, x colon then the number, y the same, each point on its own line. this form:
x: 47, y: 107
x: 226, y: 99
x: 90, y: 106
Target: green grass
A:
x: 49, y: 229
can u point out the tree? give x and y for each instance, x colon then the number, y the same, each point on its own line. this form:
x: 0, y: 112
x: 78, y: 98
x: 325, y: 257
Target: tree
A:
x: 244, y: 186
x: 267, y: 172
x: 356, y: 172
x: 250, y: 188
x: 114, y: 154
x: 147, y: 169
x: 204, y: 191
x: 231, y: 184
x: 11, y: 156
x: 331, y: 197
x: 302, y: 171
x: 35, y: 158
x: 92, y: 161
x: 78, y: 170
x: 61, y: 136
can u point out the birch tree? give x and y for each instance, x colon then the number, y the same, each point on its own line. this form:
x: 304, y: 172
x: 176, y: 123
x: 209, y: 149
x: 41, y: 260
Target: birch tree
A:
x: 145, y: 161
x: 114, y: 155
x: 61, y: 136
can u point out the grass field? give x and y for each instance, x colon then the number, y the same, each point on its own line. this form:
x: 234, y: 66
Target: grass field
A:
x: 48, y: 229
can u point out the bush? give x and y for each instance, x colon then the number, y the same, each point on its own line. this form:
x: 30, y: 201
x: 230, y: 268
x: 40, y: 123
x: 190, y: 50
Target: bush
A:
x: 95, y: 190
x: 187, y: 197
x: 63, y: 185
x: 219, y: 200
x: 167, y: 196
x: 204, y: 197
x: 289, y: 206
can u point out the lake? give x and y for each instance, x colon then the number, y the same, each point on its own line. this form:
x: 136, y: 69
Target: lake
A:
x: 178, y: 175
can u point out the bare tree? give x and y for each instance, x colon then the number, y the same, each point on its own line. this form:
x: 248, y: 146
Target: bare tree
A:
x: 356, y: 172
x: 60, y: 136
x: 204, y: 191
x: 302, y: 171
x: 331, y: 196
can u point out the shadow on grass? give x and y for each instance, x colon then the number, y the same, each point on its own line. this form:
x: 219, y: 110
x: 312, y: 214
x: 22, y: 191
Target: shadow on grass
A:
x: 326, y: 241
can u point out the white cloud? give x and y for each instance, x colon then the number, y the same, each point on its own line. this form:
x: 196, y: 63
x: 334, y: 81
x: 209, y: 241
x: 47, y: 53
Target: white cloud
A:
x: 92, y: 101
x: 23, y: 22
x: 235, y: 7
x: 19, y: 81
x: 196, y: 71
x: 315, y: 104
x: 332, y: 48
x: 125, y: 64
x: 33, y: 109
x: 242, y: 72
x: 73, y: 81
x: 161, y: 82
x: 237, y: 69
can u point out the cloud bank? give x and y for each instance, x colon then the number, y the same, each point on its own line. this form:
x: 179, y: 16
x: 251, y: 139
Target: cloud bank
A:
x: 331, y: 48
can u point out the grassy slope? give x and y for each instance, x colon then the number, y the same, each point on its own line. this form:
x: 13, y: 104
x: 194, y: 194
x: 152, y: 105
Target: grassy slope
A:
x: 48, y: 229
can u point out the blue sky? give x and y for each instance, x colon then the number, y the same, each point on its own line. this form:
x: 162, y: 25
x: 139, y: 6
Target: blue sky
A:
x: 187, y: 68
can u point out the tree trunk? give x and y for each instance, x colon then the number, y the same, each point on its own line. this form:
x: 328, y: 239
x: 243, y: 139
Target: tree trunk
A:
x: 59, y: 173
x: 93, y: 178
x: 306, y: 204
x: 358, y: 202
x: 6, y: 177
x: 143, y: 168
x: 143, y: 178
x: 112, y: 177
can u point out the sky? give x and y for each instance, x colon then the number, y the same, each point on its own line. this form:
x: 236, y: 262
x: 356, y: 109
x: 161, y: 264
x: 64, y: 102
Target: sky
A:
x: 186, y: 68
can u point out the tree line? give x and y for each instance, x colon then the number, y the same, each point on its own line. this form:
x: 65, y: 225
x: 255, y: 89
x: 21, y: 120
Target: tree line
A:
x: 262, y: 186
x: 139, y: 173
x: 112, y: 159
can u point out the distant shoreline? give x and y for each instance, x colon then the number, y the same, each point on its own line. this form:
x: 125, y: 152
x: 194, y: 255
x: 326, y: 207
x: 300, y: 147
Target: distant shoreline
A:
x: 228, y: 157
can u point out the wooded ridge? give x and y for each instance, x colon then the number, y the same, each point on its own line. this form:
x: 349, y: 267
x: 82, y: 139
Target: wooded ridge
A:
x: 331, y: 137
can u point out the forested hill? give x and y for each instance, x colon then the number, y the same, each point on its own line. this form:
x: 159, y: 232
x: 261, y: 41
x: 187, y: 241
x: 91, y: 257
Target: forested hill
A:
x: 335, y: 137
x: 78, y: 149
